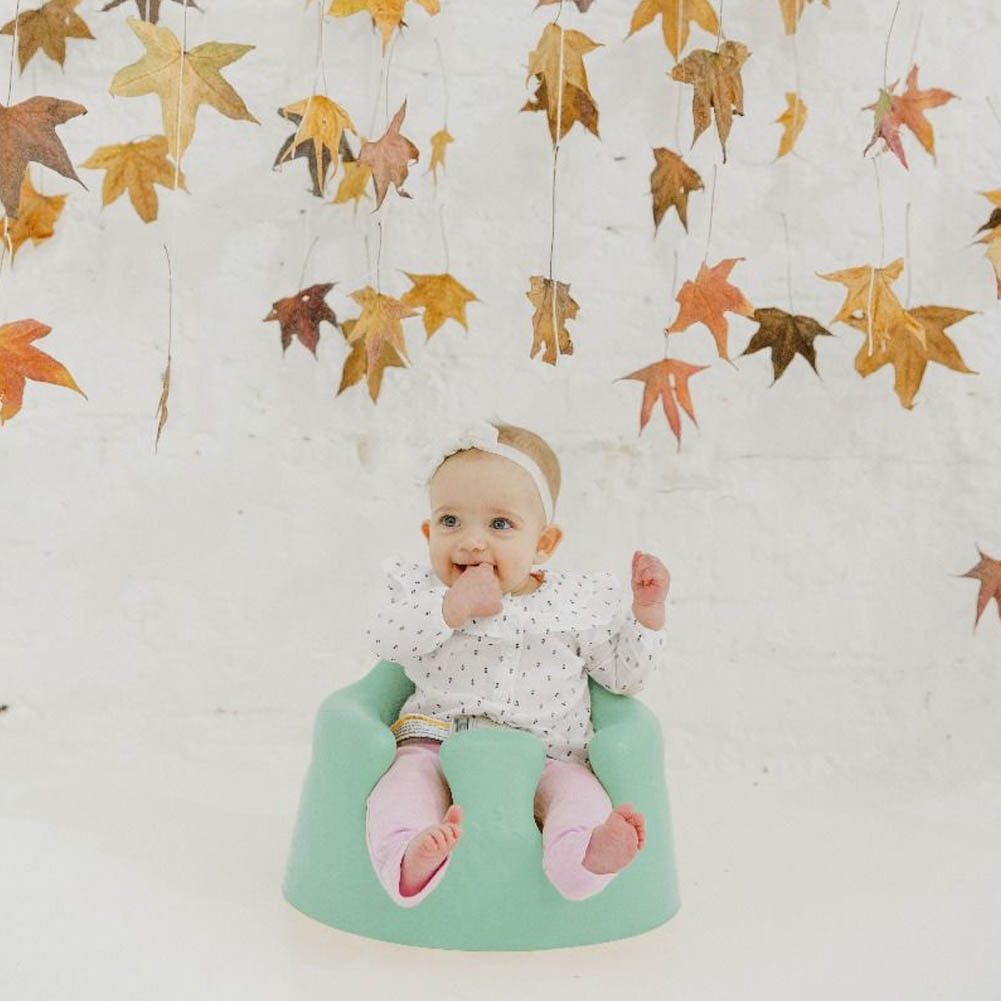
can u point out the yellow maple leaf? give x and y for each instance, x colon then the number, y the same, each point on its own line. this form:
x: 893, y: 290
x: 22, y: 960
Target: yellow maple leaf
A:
x: 553, y: 307
x: 387, y: 15
x: 792, y: 120
x: 322, y: 122
x: 135, y: 167
x: 676, y: 16
x: 871, y: 305
x: 36, y: 217
x: 910, y: 355
x: 353, y: 183
x: 439, y: 141
x: 47, y: 28
x: 356, y: 365
x: 562, y: 92
x: 181, y: 89
x: 379, y: 325
x: 441, y: 297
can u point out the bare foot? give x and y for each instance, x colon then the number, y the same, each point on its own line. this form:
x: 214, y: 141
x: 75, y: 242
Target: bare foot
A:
x: 614, y: 843
x: 427, y: 850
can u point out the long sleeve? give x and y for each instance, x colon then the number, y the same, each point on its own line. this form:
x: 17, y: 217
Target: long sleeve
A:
x: 621, y: 657
x: 410, y: 624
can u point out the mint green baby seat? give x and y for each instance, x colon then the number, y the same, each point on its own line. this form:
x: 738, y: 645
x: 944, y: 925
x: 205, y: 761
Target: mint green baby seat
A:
x: 494, y: 894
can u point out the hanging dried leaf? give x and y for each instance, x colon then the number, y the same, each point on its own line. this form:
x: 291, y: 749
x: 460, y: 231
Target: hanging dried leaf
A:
x: 379, y: 326
x: 676, y: 16
x: 892, y: 111
x: 387, y: 15
x: 553, y: 307
x: 322, y: 124
x: 353, y: 183
x: 792, y: 121
x: 909, y: 355
x: 389, y: 158
x: 47, y: 28
x: 716, y: 79
x: 300, y: 315
x: 441, y: 297
x: 671, y: 181
x: 666, y: 381
x: 181, y: 93
x: 988, y: 572
x: 787, y: 336
x: 356, y: 364
x: 707, y: 298
x: 149, y: 10
x: 20, y: 361
x: 135, y: 167
x: 792, y: 11
x: 870, y: 295
x: 562, y: 92
x: 439, y: 141
x: 28, y: 134
x: 36, y: 217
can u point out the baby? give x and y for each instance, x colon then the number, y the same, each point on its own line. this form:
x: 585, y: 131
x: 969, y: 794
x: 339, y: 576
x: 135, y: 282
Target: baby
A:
x: 488, y: 641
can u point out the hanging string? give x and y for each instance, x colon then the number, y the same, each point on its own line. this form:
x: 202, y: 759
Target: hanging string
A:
x: 712, y: 206
x: 907, y: 254
x: 886, y: 48
x: 8, y: 246
x: 785, y: 226
x: 441, y: 207
x: 674, y: 290
x: 318, y: 69
x: 719, y: 32
x: 556, y: 153
x: 171, y: 230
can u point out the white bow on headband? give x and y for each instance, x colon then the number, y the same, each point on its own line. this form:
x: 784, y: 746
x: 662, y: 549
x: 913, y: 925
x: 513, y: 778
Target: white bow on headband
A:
x: 484, y: 436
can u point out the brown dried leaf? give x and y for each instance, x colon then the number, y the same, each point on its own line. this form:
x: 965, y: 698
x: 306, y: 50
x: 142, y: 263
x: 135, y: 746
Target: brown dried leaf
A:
x: 389, y: 158
x: 47, y: 28
x: 716, y: 79
x: 553, y: 307
x: 671, y: 181
x: 300, y: 315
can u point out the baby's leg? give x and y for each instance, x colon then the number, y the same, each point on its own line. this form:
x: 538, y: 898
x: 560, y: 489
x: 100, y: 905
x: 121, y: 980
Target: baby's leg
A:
x: 410, y: 824
x: 584, y: 841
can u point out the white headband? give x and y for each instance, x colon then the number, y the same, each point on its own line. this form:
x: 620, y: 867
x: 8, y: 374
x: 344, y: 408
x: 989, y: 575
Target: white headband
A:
x: 483, y: 436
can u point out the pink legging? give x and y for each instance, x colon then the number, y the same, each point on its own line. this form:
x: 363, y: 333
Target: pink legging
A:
x: 413, y: 794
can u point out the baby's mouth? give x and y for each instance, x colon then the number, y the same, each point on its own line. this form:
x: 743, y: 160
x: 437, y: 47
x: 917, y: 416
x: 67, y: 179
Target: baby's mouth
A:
x: 463, y: 567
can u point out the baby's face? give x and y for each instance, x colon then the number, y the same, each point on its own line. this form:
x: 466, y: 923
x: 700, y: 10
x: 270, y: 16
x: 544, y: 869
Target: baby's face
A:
x: 486, y: 509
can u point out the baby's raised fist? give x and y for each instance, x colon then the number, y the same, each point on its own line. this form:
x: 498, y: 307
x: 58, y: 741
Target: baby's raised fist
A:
x: 476, y: 592
x: 650, y: 579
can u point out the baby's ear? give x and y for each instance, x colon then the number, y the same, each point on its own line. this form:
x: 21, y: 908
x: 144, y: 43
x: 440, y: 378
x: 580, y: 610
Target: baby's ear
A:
x: 548, y: 541
x: 426, y: 530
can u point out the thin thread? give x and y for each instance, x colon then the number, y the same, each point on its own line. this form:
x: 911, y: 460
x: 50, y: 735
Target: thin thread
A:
x: 444, y: 239
x: 171, y: 229
x: 886, y: 48
x: 917, y: 32
x: 13, y: 51
x: 378, y: 262
x: 318, y: 69
x: 907, y: 254
x: 994, y: 112
x: 785, y: 226
x: 796, y: 77
x: 556, y: 153
x: 302, y: 273
x: 389, y: 61
x: 674, y: 289
x: 681, y: 9
x: 444, y: 83
x: 161, y: 408
x: 719, y: 32
x: 879, y: 205
x: 712, y: 205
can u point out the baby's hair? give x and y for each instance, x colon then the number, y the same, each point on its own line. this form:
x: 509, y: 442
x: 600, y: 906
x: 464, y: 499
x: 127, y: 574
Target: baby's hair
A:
x: 536, y: 448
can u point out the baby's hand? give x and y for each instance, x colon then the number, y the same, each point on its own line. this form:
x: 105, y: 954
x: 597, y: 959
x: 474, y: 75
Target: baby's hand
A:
x: 476, y: 592
x: 651, y: 582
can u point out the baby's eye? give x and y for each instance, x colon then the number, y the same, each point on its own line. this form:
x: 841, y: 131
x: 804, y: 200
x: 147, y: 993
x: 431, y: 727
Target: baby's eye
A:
x: 500, y: 523
x: 448, y: 521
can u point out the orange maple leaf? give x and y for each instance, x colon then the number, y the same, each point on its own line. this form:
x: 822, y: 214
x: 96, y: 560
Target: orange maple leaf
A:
x: 988, y: 572
x: 20, y: 361
x: 706, y: 299
x: 666, y: 381
x: 36, y: 217
x: 893, y: 111
x: 389, y: 158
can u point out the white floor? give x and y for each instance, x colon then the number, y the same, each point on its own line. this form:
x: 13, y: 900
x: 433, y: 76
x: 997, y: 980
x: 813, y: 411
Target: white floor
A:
x: 143, y: 857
